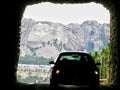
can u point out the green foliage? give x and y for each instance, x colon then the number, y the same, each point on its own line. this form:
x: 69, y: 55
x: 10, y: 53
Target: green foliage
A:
x: 102, y: 57
x: 34, y: 60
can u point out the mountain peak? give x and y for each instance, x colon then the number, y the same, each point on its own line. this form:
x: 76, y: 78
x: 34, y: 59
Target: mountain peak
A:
x: 44, y: 38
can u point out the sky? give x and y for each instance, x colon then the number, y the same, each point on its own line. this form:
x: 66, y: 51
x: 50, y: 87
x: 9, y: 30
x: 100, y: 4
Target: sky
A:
x: 67, y: 13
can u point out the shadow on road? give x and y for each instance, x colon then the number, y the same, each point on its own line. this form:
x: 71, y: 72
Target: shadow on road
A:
x: 61, y: 87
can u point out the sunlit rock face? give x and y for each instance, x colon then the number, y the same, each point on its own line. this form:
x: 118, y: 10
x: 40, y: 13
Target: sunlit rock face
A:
x: 48, y: 39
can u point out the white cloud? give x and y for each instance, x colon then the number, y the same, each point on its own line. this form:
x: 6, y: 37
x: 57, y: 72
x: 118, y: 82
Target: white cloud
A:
x: 67, y: 13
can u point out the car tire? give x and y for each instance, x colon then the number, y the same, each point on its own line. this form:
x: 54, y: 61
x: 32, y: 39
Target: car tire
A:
x: 94, y: 86
x: 53, y: 85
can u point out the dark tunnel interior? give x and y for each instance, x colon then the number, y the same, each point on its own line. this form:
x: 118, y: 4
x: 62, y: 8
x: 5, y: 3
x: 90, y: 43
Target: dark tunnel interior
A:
x: 12, y: 14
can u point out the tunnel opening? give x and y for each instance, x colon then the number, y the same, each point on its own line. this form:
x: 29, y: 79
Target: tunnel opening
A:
x: 43, y: 44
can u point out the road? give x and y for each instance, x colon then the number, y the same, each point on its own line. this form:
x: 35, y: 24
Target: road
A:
x: 61, y: 87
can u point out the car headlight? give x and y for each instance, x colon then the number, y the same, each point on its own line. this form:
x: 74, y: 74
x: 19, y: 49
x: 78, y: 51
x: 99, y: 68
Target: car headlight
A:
x: 96, y: 72
x: 57, y: 72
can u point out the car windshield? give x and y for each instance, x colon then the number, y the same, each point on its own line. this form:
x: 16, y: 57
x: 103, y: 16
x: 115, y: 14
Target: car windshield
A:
x: 70, y: 57
x: 76, y: 57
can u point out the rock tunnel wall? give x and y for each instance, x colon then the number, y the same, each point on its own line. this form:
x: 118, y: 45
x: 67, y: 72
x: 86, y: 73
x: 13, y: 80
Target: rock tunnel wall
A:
x: 12, y: 14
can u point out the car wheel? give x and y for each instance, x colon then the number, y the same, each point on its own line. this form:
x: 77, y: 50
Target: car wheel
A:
x: 53, y: 85
x: 94, y: 86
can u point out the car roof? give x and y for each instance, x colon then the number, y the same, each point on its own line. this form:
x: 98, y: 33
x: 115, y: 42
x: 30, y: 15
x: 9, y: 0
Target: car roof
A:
x: 68, y: 52
x: 62, y: 52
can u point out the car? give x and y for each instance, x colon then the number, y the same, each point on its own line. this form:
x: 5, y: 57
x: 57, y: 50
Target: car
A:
x: 74, y: 68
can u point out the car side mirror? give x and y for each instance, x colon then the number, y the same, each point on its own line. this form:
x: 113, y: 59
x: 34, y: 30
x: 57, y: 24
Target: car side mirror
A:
x: 51, y: 62
x: 98, y: 63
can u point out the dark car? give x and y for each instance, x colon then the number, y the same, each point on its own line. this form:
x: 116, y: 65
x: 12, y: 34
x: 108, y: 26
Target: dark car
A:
x: 74, y: 68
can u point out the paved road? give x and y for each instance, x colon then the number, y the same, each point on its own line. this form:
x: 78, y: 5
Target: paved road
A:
x: 61, y: 87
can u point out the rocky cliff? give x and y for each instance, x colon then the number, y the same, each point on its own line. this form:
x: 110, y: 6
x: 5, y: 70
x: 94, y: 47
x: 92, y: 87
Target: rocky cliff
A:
x: 47, y: 38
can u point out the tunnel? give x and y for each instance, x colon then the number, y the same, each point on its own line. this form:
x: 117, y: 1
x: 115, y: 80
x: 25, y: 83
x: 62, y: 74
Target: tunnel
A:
x: 11, y: 20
